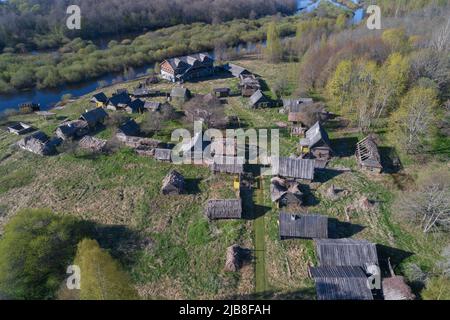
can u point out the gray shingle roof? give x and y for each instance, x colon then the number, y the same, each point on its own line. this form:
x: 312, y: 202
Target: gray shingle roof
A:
x: 308, y: 226
x: 341, y: 283
x: 346, y: 252
x: 314, y: 135
x: 293, y: 168
x: 256, y: 97
x: 224, y: 209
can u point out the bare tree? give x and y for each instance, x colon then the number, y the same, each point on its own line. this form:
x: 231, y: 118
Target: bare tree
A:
x: 441, y: 37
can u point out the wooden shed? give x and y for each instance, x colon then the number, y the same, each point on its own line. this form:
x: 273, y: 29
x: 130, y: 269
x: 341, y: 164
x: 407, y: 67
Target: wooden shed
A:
x: 20, y: 128
x: 94, y: 117
x: 223, y: 209
x: 129, y: 128
x: 38, y: 143
x: 135, y: 106
x: 222, y: 92
x: 310, y: 226
x: 367, y: 155
x: 119, y: 101
x: 346, y: 252
x: 29, y: 107
x: 173, y: 184
x: 230, y: 165
x: 100, y: 99
x: 72, y: 130
x: 316, y: 143
x: 341, y: 283
x: 163, y: 154
x: 259, y: 100
x: 293, y: 168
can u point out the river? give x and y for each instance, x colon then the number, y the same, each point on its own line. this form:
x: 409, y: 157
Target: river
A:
x: 47, y: 98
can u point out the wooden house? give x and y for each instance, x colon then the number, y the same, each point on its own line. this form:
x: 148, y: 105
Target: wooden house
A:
x: 367, y: 155
x: 135, y: 106
x: 173, y: 183
x: 129, y: 128
x: 118, y: 101
x: 259, y: 100
x: 29, y: 107
x: 100, y: 100
x: 20, y: 128
x: 72, y: 130
x: 237, y: 71
x: 163, y: 154
x: 293, y: 168
x: 152, y: 106
x: 285, y: 193
x: 94, y: 117
x: 39, y: 143
x: 222, y: 92
x: 309, y: 226
x: 346, y: 252
x: 187, y: 68
x: 341, y: 283
x: 223, y: 209
x: 316, y: 143
x: 180, y: 94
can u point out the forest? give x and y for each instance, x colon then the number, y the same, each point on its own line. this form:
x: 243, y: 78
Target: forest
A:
x: 40, y: 24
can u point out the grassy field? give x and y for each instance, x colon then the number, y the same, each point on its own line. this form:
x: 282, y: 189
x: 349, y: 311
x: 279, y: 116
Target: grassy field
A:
x: 185, y: 254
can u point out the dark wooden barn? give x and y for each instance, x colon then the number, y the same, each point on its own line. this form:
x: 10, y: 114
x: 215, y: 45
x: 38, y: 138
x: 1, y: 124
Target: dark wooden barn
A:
x: 308, y: 226
x: 293, y: 168
x: 94, y: 117
x: 341, y: 283
x: 346, y: 252
x: 223, y: 209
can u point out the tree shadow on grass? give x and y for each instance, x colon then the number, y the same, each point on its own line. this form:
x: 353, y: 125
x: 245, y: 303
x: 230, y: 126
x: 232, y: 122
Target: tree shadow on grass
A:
x: 390, y: 160
x: 324, y: 175
x: 396, y: 256
x: 192, y: 186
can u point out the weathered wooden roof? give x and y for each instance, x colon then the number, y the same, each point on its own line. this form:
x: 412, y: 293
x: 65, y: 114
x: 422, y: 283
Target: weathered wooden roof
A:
x: 296, y: 105
x: 100, y: 97
x: 121, y: 98
x: 257, y: 97
x: 308, y: 226
x: 163, y: 154
x: 38, y: 143
x: 341, y: 283
x: 314, y: 135
x: 153, y: 106
x: 346, y: 252
x: 129, y: 128
x: 230, y: 165
x: 224, y: 209
x: 236, y: 70
x: 293, y: 168
x: 94, y: 116
x: 92, y: 143
x: 367, y: 153
x: 179, y: 92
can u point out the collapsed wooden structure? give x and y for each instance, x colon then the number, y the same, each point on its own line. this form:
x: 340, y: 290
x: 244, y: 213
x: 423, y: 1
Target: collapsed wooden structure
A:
x: 173, y: 183
x: 285, y: 193
x: 307, y: 226
x: 223, y: 209
x: 367, y: 155
x: 235, y: 258
x: 39, y: 143
x: 92, y: 144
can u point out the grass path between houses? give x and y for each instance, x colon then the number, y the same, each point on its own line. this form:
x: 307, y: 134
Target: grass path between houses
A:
x: 261, y: 284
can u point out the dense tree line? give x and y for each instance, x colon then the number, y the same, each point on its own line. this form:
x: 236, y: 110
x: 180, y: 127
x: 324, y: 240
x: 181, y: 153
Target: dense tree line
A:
x: 41, y: 23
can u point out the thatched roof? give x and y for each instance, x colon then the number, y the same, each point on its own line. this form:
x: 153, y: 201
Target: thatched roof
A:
x: 308, y: 226
x: 367, y: 153
x: 341, y: 283
x: 235, y: 258
x: 395, y: 288
x: 346, y: 252
x: 92, y: 143
x: 315, y: 135
x: 163, y: 154
x: 230, y: 165
x: 224, y: 209
x: 173, y: 183
x: 293, y: 168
